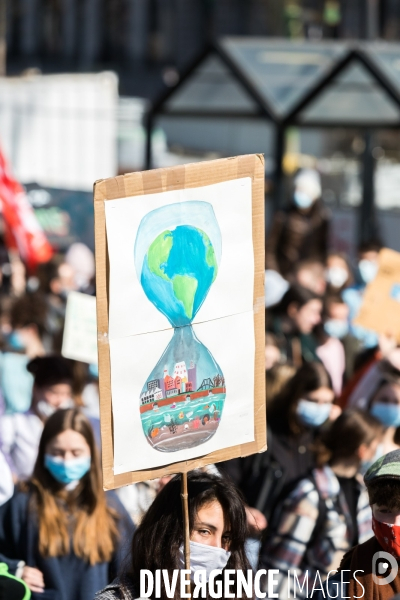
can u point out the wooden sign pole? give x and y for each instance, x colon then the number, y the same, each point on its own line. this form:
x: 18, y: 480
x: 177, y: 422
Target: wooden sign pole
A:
x: 186, y: 527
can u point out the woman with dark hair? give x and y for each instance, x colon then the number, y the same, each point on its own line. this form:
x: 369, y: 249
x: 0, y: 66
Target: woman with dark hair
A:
x: 295, y: 417
x: 293, y: 320
x: 59, y: 532
x: 379, y: 393
x: 20, y: 432
x: 304, y: 404
x: 218, y: 529
x: 384, y: 404
x: 327, y: 512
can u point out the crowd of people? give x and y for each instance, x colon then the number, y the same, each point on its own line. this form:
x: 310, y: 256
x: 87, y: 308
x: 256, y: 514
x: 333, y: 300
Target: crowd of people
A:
x: 333, y: 411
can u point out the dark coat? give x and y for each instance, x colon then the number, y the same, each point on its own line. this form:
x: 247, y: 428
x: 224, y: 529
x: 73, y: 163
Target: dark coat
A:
x: 65, y: 577
x: 354, y: 578
x: 264, y: 478
x: 296, y: 236
x: 295, y: 347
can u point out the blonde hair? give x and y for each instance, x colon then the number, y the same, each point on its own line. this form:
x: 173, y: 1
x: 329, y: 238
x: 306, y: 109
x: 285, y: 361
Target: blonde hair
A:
x: 84, y: 512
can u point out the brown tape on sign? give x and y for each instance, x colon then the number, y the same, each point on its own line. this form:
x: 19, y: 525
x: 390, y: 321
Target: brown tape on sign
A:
x: 180, y: 394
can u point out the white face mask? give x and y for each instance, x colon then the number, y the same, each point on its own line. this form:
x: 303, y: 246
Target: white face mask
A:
x: 45, y: 409
x: 337, y: 276
x: 205, y: 558
x: 368, y: 270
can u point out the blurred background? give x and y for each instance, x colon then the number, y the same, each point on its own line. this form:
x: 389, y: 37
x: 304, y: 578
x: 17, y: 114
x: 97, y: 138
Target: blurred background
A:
x: 100, y: 87
x: 90, y: 89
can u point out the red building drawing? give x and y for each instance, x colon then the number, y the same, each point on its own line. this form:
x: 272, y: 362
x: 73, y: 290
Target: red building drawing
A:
x: 169, y: 383
x: 178, y: 383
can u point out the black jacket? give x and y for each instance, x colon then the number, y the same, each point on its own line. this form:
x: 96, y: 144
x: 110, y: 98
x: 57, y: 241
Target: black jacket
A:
x: 65, y: 577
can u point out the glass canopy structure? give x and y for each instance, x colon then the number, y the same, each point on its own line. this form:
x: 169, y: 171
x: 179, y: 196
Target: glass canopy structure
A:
x: 290, y: 83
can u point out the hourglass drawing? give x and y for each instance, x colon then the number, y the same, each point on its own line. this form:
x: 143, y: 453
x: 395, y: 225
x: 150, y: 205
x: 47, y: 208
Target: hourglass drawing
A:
x: 177, y: 255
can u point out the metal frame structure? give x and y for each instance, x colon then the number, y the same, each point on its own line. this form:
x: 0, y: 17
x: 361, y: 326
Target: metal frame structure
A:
x: 265, y: 111
x: 354, y: 52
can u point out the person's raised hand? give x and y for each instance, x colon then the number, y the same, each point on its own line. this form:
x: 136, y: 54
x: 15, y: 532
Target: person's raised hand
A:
x: 394, y: 358
x: 33, y: 579
x: 162, y: 482
x: 387, y: 343
x: 335, y: 412
x: 255, y: 519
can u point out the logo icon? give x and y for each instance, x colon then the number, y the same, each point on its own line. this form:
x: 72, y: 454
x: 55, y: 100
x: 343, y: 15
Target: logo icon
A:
x: 381, y: 561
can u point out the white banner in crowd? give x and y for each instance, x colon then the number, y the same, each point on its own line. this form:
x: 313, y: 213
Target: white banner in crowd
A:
x: 80, y: 331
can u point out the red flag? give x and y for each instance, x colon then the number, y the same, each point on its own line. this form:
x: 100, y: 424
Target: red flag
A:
x: 23, y: 230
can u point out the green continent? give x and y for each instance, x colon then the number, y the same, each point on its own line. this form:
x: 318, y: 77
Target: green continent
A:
x: 211, y: 259
x: 158, y: 254
x: 185, y: 289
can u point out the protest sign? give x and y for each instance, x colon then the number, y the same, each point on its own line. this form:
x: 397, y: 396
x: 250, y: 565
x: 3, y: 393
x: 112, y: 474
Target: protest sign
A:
x: 180, y: 315
x: 380, y: 310
x: 80, y: 329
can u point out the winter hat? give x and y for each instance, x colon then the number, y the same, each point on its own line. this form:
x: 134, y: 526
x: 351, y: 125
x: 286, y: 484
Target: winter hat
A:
x: 309, y: 182
x: 50, y: 370
x: 386, y: 467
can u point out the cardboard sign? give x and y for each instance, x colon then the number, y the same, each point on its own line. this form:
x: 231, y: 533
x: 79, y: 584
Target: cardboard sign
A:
x: 80, y: 329
x: 180, y: 314
x: 380, y: 310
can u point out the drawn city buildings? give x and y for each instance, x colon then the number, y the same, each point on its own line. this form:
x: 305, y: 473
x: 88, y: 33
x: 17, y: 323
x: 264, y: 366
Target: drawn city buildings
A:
x: 182, y: 381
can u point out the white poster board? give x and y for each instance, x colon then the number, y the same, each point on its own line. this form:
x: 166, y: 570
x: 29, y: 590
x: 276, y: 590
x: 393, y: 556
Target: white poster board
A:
x: 80, y: 329
x: 139, y: 333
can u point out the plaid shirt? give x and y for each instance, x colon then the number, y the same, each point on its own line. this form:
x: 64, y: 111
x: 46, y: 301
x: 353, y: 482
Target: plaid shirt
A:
x: 287, y: 550
x: 117, y: 591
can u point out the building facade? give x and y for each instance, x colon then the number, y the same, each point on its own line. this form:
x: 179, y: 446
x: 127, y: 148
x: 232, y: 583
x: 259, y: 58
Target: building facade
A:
x: 145, y: 41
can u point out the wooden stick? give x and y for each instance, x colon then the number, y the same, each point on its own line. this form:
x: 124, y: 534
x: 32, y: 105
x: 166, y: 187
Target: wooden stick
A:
x: 186, y: 528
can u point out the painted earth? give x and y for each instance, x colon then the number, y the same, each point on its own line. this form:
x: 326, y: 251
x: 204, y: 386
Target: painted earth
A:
x: 178, y: 271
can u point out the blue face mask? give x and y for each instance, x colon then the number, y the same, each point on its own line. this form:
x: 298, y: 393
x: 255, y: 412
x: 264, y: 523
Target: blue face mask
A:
x: 302, y: 200
x: 67, y: 471
x: 94, y: 370
x: 366, y: 464
x: 313, y: 414
x: 368, y: 270
x: 336, y: 328
x: 387, y: 414
x: 15, y: 341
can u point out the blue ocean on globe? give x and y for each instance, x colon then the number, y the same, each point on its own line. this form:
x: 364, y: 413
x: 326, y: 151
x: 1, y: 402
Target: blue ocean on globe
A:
x: 178, y: 270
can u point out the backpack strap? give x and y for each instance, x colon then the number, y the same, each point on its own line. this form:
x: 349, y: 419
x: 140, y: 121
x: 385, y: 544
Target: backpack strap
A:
x: 266, y: 479
x: 321, y: 518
